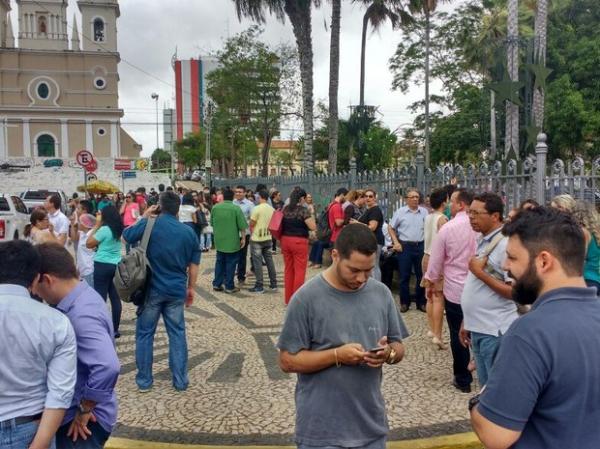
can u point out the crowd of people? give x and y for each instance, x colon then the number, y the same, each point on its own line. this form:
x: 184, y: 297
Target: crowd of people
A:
x: 514, y: 289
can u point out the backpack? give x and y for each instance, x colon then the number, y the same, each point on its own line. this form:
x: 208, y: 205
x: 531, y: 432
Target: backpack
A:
x: 133, y: 271
x: 201, y: 221
x: 323, y: 229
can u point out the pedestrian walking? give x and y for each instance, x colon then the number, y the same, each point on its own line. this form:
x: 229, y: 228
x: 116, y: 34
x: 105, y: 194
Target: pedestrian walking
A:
x: 80, y: 232
x: 187, y: 212
x: 246, y: 206
x: 295, y: 228
x: 174, y: 255
x: 229, y: 225
x: 486, y: 300
x: 59, y: 221
x: 451, y: 252
x: 105, y: 238
x: 543, y: 389
x: 373, y: 218
x: 339, y: 330
x: 92, y: 415
x: 260, y: 243
x: 39, y: 355
x: 407, y: 229
x: 207, y: 231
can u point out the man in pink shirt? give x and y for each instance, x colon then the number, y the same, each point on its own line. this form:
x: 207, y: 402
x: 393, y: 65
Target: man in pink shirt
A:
x: 452, y: 249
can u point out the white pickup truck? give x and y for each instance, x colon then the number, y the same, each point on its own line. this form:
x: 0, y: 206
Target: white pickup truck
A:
x: 13, y: 217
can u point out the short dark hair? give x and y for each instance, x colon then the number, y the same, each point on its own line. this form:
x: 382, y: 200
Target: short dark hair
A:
x: 355, y: 237
x: 56, y: 261
x: 55, y: 200
x: 161, y: 188
x: 533, y: 202
x: 260, y: 187
x: 187, y: 200
x: 464, y: 196
x: 19, y: 263
x: 548, y: 229
x: 263, y: 194
x: 169, y: 203
x: 86, y: 205
x: 450, y: 189
x: 241, y: 187
x: 169, y: 188
x: 438, y: 197
x: 493, y: 203
x: 228, y: 195
x: 341, y: 191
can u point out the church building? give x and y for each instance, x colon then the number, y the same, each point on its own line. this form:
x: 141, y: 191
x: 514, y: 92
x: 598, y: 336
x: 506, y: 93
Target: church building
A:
x: 59, y: 89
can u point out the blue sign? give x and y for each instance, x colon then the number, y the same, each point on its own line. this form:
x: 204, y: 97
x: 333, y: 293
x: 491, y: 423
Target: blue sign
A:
x: 128, y: 174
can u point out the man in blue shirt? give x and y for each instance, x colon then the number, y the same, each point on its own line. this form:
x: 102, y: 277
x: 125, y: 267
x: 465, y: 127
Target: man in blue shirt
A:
x: 174, y: 255
x: 93, y: 413
x: 542, y: 391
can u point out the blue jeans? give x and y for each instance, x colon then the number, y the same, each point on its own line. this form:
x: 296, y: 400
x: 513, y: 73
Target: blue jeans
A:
x: 205, y: 241
x: 316, y: 252
x: 96, y: 440
x: 484, y: 349
x: 19, y: 437
x: 89, y: 279
x: 379, y: 443
x: 225, y: 269
x: 104, y: 274
x: 409, y: 260
x: 171, y: 310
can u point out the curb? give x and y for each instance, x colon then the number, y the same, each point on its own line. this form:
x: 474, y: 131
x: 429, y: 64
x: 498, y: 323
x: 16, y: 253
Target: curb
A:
x: 458, y: 441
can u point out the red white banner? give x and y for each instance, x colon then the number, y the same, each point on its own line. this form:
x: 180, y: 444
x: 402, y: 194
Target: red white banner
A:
x: 123, y: 164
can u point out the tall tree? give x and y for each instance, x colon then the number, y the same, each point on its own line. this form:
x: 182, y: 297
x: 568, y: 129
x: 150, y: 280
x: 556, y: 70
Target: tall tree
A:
x: 511, y: 138
x: 334, y: 77
x: 299, y: 13
x: 539, y: 55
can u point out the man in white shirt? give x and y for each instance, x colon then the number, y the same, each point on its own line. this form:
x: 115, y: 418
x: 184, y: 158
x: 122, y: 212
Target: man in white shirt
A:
x: 39, y: 357
x: 58, y: 220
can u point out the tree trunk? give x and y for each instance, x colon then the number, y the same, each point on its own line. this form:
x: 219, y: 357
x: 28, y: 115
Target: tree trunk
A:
x: 511, y: 140
x: 493, y: 144
x: 427, y: 51
x: 539, y: 57
x: 299, y: 13
x: 334, y: 76
x: 264, y: 169
x: 363, y: 51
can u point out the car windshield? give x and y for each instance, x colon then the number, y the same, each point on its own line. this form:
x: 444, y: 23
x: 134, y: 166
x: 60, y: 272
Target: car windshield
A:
x: 37, y: 195
x: 4, y: 206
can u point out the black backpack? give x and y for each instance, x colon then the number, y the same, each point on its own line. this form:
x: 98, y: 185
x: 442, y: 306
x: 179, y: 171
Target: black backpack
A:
x: 201, y: 221
x: 323, y: 229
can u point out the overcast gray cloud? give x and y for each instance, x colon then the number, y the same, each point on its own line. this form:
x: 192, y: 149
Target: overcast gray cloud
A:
x: 151, y: 30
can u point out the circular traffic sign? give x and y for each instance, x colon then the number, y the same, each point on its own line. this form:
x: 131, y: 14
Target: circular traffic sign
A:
x: 84, y: 157
x: 91, y: 166
x: 91, y: 177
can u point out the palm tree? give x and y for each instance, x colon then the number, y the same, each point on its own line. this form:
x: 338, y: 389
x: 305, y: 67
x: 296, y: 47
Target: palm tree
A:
x: 299, y: 14
x: 334, y: 76
x: 539, y: 55
x: 511, y: 139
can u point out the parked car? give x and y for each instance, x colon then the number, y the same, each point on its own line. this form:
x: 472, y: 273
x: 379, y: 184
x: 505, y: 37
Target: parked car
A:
x: 36, y: 198
x: 13, y: 218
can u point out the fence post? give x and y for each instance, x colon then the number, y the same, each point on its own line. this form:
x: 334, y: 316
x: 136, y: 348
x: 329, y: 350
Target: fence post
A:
x: 420, y: 161
x: 353, y: 173
x: 541, y: 153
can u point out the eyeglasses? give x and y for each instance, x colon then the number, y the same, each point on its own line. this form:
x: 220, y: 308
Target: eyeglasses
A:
x: 369, y: 196
x: 475, y: 213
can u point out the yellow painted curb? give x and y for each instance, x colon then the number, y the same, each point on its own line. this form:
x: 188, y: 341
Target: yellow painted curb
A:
x: 458, y: 441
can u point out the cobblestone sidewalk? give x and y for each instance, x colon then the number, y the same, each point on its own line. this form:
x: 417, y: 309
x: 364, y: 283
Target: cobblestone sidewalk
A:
x: 238, y: 395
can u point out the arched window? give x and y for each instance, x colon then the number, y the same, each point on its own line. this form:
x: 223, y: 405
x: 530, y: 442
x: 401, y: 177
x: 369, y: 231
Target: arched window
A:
x: 46, y: 146
x: 42, y: 28
x: 98, y: 30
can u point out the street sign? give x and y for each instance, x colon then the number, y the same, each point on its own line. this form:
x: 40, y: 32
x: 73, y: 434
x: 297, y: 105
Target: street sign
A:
x: 123, y: 164
x: 84, y: 157
x: 91, y: 177
x: 128, y: 174
x: 91, y: 166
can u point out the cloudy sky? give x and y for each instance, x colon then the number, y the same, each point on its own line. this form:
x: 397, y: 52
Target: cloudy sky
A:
x: 151, y: 30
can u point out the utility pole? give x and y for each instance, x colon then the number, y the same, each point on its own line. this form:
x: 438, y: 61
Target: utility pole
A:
x: 208, y: 159
x: 155, y: 98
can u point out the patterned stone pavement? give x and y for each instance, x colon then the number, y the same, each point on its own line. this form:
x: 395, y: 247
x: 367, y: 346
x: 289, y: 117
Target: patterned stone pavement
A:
x: 238, y: 395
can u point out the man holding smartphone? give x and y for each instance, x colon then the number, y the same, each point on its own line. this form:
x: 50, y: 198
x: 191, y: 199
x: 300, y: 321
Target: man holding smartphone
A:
x: 340, y: 328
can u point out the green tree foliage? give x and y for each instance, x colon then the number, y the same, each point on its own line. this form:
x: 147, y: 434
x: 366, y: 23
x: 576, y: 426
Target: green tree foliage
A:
x: 161, y: 159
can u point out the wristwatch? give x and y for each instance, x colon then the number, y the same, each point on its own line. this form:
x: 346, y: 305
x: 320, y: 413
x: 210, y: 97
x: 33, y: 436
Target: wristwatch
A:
x: 473, y: 402
x: 83, y: 410
x: 392, y: 357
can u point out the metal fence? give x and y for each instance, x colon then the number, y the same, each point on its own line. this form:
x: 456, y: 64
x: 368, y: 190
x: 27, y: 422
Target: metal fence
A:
x: 514, y: 180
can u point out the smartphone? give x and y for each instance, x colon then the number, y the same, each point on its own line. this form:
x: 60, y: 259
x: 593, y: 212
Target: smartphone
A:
x: 377, y: 349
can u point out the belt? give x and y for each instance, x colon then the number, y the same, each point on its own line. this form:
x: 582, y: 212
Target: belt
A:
x: 410, y: 243
x: 22, y: 419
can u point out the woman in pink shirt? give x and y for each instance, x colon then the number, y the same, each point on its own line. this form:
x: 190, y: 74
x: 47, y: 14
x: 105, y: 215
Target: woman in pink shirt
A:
x: 130, y: 210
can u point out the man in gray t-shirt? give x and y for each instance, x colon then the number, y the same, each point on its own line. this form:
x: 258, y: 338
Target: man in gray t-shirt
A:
x: 332, y: 324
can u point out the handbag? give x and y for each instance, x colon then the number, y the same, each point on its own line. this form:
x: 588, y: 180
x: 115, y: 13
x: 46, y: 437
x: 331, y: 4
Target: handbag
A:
x: 276, y: 224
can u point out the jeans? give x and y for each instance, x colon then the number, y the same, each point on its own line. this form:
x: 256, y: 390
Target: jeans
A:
x: 89, y: 279
x: 591, y: 283
x: 171, y: 310
x: 19, y: 437
x: 205, y: 241
x: 408, y: 260
x: 104, y: 274
x: 225, y: 269
x: 295, y: 258
x: 316, y: 252
x: 460, y: 354
x: 96, y: 440
x: 484, y: 349
x: 243, y: 257
x: 259, y: 251
x: 379, y: 443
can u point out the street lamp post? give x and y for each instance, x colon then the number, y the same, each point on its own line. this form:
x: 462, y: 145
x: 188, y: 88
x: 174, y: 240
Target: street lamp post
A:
x: 155, y: 98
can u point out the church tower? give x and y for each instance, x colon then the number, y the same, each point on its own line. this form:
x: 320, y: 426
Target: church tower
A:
x: 99, y: 24
x: 43, y: 24
x: 5, y: 25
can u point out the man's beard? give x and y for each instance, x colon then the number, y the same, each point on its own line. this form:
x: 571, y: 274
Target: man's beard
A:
x: 527, y: 288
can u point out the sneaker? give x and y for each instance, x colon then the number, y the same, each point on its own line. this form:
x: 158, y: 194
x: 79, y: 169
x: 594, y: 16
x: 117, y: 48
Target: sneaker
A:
x: 144, y: 390
x: 233, y: 290
x: 256, y: 290
x: 273, y: 289
x: 218, y: 289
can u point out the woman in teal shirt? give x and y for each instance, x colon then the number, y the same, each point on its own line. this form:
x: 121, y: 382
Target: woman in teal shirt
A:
x: 106, y: 238
x: 588, y: 218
